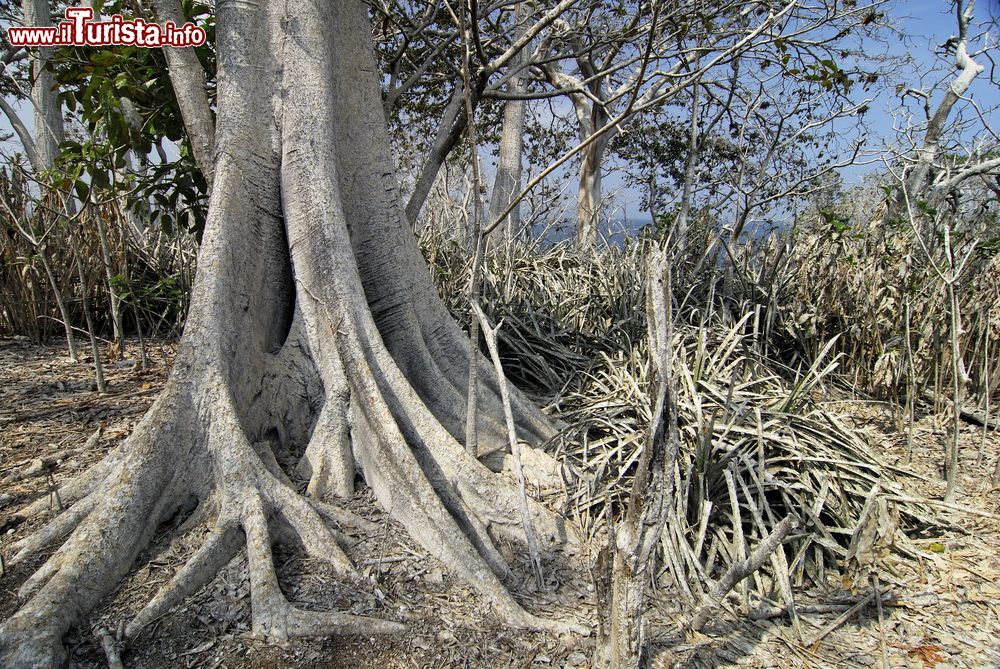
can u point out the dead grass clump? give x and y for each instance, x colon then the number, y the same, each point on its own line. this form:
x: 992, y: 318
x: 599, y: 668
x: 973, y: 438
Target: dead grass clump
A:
x: 755, y: 444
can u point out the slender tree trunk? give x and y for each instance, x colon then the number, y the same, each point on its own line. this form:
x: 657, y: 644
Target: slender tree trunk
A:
x: 187, y: 76
x: 48, y: 133
x: 589, y: 196
x: 917, y: 178
x: 651, y: 499
x: 23, y: 134
x: 109, y: 274
x: 957, y: 386
x: 60, y: 302
x: 507, y: 182
x: 449, y: 132
x: 44, y: 95
x: 476, y: 241
x: 654, y: 194
x: 911, y: 385
x: 690, y: 165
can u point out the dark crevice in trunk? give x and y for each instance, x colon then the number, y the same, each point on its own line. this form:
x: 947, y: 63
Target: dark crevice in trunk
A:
x: 284, y: 307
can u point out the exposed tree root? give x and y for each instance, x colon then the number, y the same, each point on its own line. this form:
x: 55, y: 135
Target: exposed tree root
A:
x: 327, y: 463
x: 272, y: 614
x: 57, y: 529
x: 219, y: 547
x: 76, y: 489
x: 255, y: 503
x: 99, y: 551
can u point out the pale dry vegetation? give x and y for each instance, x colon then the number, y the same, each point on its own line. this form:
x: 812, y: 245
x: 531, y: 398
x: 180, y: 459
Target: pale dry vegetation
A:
x: 145, y: 269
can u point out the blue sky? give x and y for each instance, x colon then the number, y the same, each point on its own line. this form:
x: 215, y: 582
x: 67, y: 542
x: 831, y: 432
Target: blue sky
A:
x: 927, y: 25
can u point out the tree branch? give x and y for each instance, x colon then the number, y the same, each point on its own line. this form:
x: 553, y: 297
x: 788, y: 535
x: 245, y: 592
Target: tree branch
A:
x: 22, y: 134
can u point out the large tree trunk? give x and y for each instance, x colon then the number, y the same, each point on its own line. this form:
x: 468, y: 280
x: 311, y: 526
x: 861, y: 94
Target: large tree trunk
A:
x: 314, y: 331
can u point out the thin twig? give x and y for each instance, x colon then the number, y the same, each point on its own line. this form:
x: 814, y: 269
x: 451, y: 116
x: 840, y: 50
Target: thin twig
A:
x: 489, y: 334
x: 847, y: 615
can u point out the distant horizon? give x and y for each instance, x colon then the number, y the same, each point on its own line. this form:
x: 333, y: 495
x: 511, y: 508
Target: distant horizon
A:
x: 631, y: 226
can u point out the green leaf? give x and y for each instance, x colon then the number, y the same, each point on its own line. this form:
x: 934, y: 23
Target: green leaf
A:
x: 82, y: 190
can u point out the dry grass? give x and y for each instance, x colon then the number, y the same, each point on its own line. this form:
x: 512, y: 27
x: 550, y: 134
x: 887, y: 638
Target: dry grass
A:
x: 875, y: 286
x: 150, y: 270
x: 756, y: 445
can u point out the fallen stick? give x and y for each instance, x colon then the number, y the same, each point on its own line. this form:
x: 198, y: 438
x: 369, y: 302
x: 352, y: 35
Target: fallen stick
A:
x: 847, y: 615
x: 36, y: 467
x: 770, y: 611
x: 712, y: 601
x: 979, y: 418
x: 42, y: 466
x: 943, y: 505
x: 489, y: 333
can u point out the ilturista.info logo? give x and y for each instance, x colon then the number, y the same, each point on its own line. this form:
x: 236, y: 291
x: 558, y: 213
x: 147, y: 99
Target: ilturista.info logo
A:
x: 80, y: 29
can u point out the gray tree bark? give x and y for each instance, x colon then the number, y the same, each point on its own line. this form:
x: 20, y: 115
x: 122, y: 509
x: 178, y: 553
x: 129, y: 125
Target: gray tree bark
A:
x: 591, y: 118
x: 507, y: 182
x: 450, y: 130
x: 44, y: 95
x: 43, y: 149
x: 588, y: 210
x: 623, y: 644
x: 314, y: 331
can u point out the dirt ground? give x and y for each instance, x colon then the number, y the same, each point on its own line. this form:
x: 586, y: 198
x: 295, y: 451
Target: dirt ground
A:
x: 942, y: 608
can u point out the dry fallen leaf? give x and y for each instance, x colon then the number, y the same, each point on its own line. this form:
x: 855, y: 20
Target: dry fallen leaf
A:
x: 927, y: 653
